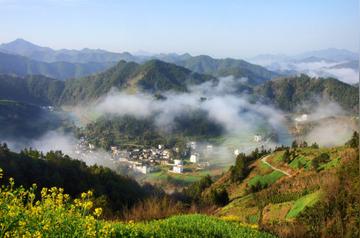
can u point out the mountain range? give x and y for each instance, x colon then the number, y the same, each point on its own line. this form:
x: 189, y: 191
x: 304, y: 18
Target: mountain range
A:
x: 331, y: 54
x: 22, y: 66
x: 65, y: 64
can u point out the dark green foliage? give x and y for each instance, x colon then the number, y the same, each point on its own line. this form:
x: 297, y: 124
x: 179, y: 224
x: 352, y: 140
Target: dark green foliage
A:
x: 294, y: 144
x: 321, y: 159
x: 22, y: 66
x: 354, y: 141
x: 37, y: 89
x: 289, y: 93
x: 56, y: 169
x: 219, y: 197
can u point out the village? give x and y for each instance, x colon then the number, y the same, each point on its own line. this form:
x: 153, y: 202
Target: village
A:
x: 152, y: 159
x: 194, y: 157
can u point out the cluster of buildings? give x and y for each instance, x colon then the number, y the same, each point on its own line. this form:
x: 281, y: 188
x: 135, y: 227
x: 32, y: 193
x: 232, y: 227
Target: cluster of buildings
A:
x: 83, y: 147
x: 147, y: 160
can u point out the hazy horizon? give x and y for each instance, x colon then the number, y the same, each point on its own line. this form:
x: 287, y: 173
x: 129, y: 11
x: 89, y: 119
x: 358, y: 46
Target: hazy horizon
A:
x: 235, y: 29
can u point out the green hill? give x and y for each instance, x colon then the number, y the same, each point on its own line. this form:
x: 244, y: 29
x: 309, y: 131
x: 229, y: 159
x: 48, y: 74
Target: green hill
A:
x: 225, y: 67
x: 289, y: 93
x: 152, y: 76
x: 22, y: 66
x: 297, y: 194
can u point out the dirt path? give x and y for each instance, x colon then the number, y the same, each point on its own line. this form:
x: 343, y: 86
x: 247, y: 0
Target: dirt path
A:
x: 274, y: 168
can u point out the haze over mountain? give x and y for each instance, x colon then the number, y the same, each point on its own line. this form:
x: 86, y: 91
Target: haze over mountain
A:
x: 338, y: 63
x: 100, y: 59
x: 46, y: 54
x: 330, y: 54
x: 22, y: 66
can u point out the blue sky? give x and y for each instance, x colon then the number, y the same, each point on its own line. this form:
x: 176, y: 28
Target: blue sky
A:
x: 221, y: 28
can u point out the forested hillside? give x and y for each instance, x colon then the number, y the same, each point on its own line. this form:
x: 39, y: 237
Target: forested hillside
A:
x: 289, y: 93
x: 36, y: 89
x: 153, y: 76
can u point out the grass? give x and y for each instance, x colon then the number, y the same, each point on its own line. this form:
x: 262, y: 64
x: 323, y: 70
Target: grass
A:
x: 332, y: 164
x: 303, y: 202
x: 300, y: 162
x: 188, y: 226
x: 265, y: 180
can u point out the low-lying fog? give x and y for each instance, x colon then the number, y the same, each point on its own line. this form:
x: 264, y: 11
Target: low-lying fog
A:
x: 240, y: 119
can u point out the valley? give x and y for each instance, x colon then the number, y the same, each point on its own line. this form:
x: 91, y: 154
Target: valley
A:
x: 142, y: 144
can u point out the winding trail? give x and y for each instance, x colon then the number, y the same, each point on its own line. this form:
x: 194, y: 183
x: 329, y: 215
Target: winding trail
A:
x: 274, y: 168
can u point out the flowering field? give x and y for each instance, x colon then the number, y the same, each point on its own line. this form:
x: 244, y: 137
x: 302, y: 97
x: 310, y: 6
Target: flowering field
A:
x: 55, y: 214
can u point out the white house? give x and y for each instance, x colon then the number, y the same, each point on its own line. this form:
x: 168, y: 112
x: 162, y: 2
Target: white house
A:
x: 178, y: 162
x: 194, y: 158
x: 192, y: 145
x: 143, y: 169
x: 178, y: 169
x: 301, y: 118
x: 258, y: 138
x: 209, y: 147
x: 236, y: 152
x: 166, y: 154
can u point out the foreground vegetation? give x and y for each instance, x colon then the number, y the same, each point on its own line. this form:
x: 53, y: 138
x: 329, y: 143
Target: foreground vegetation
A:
x: 316, y: 197
x: 55, y: 214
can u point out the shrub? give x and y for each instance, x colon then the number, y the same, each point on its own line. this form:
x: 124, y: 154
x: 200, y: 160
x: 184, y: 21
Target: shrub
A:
x: 322, y: 158
x: 219, y: 197
x: 22, y: 214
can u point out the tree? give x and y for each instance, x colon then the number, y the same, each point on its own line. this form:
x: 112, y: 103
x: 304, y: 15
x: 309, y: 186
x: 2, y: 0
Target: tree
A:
x: 239, y: 170
x: 354, y: 141
x: 294, y: 144
x: 286, y: 156
x: 219, y: 198
x: 315, y: 146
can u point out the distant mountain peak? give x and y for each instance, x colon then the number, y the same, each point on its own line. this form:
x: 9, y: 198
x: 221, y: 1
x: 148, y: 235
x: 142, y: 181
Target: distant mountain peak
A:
x: 21, y: 42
